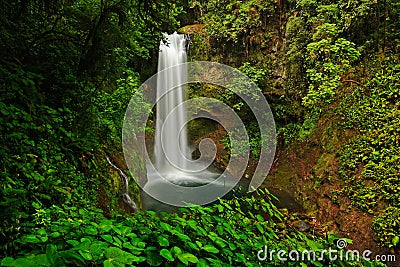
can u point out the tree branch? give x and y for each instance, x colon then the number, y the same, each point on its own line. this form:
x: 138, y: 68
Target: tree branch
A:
x: 351, y: 81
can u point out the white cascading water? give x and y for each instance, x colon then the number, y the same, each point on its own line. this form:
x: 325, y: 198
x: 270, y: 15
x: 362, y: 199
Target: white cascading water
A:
x: 174, y: 166
x: 171, y: 138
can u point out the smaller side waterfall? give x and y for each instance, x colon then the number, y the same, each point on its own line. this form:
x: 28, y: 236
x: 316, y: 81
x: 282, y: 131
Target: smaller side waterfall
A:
x: 125, y: 187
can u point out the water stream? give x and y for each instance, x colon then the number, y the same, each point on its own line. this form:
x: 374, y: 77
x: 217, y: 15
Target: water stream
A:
x: 125, y: 187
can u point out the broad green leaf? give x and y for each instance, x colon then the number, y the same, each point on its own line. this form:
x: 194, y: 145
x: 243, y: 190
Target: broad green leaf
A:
x: 166, y: 254
x: 395, y: 240
x: 260, y: 228
x: 51, y: 253
x: 220, y: 229
x: 314, y: 245
x: 71, y: 256
x: 86, y: 255
x: 82, y: 246
x: 317, y: 263
x: 240, y: 257
x: 73, y: 242
x: 137, y: 242
x: 90, y: 230
x: 117, y: 241
x: 192, y: 223
x: 221, y: 242
x: 41, y: 232
x: 54, y: 234
x: 134, y: 250
x: 260, y: 218
x: 232, y: 246
x: 154, y: 259
x: 183, y: 260
x: 24, y: 262
x: 177, y: 250
x: 187, y: 257
x: 116, y: 255
x: 105, y: 227
x: 220, y: 208
x: 42, y: 260
x: 114, y: 252
x: 162, y: 241
x: 44, y: 238
x: 30, y: 239
x: 108, y: 238
x: 210, y: 248
x: 166, y: 226
x: 193, y: 246
x: 96, y: 248
x: 202, y: 263
x: 227, y: 251
x: 131, y: 235
x: 113, y: 263
x: 8, y: 261
x: 125, y: 230
x: 183, y: 237
x: 198, y: 243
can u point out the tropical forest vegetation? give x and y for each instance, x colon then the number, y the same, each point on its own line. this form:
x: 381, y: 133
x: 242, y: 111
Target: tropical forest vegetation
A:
x: 329, y: 70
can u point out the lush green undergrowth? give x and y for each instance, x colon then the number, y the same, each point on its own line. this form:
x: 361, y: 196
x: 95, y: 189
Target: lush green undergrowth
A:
x: 67, y: 72
x: 227, y: 234
x: 369, y: 162
x: 68, y: 69
x: 331, y: 75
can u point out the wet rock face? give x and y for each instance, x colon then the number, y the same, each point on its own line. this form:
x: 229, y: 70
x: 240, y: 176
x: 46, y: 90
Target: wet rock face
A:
x: 191, y: 29
x: 285, y: 200
x: 294, y: 174
x: 302, y: 226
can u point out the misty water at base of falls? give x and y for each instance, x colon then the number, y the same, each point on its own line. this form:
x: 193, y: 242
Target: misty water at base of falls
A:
x: 172, y: 162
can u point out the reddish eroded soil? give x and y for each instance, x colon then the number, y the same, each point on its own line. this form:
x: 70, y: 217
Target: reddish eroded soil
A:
x: 297, y: 173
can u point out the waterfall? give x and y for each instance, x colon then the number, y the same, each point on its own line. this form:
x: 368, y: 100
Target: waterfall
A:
x: 125, y: 187
x: 173, y: 178
x: 171, y: 138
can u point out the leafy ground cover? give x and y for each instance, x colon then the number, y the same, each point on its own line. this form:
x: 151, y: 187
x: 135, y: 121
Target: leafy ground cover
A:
x: 230, y: 233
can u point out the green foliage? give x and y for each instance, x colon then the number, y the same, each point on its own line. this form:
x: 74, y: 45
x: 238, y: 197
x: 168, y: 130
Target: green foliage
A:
x: 248, y: 90
x: 297, y: 39
x: 347, y: 15
x: 387, y: 227
x: 328, y: 59
x: 254, y: 143
x: 227, y: 234
x: 244, y: 86
x: 68, y: 69
x: 369, y: 163
x: 350, y: 61
x: 43, y: 161
x: 308, y: 125
x: 234, y: 20
x: 67, y: 72
x: 289, y: 132
x: 110, y: 107
x: 257, y: 75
